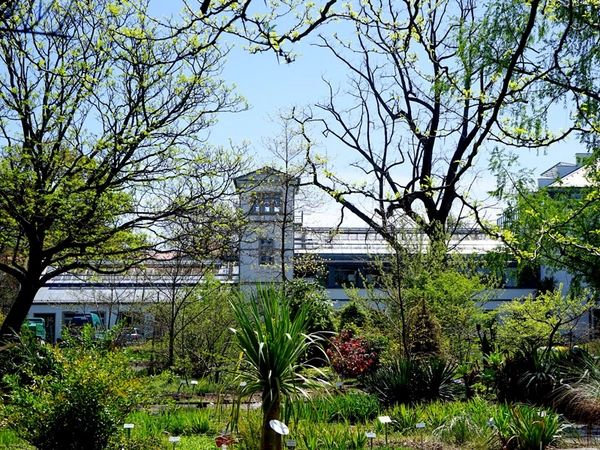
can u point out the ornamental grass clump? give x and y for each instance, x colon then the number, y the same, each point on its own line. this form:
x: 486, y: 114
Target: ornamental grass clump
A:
x: 412, y: 381
x: 526, y: 428
x: 353, y: 408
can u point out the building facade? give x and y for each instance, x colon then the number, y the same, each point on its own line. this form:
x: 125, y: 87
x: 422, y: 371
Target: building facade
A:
x: 274, y: 245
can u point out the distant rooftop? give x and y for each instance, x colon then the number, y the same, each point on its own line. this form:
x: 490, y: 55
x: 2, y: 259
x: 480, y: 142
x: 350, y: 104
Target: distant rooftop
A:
x: 341, y: 241
x: 566, y: 174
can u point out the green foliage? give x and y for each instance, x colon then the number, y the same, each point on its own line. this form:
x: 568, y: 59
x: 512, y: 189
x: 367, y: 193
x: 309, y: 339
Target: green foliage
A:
x: 396, y: 382
x: 425, y: 334
x: 272, y: 346
x: 454, y: 419
x: 175, y: 421
x: 412, y: 381
x: 432, y: 302
x: 352, y: 408
x: 457, y: 423
x: 147, y: 443
x: 249, y: 430
x: 542, y: 322
x: 555, y: 226
x: 192, y: 345
x: 80, y: 405
x: 526, y: 428
x: 313, y: 296
x: 353, y: 315
x: 26, y: 359
x: 458, y: 430
x: 10, y: 440
x: 338, y: 436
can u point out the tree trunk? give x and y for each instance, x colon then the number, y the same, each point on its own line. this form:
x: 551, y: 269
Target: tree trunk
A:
x: 271, y: 407
x: 19, y: 310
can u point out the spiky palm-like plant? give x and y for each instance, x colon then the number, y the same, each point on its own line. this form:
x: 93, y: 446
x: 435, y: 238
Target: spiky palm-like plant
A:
x: 273, y: 343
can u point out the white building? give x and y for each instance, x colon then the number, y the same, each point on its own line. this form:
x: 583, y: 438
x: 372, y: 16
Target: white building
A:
x: 273, y: 240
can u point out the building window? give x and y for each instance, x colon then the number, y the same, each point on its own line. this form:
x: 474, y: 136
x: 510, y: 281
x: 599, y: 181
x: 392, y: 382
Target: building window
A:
x: 266, y: 251
x: 267, y: 203
x: 346, y: 277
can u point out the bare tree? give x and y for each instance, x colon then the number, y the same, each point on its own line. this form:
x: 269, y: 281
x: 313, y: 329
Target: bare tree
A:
x: 287, y: 152
x: 430, y: 85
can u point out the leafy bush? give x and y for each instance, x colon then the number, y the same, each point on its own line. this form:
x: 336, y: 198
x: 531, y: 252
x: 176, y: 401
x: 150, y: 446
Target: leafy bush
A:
x: 538, y: 322
x: 26, y: 358
x: 352, y: 356
x: 79, y: 406
x: 353, y: 315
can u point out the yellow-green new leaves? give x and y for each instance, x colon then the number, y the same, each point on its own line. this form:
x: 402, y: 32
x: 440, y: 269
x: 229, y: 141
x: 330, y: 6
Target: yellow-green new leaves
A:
x: 98, y: 127
x: 541, y: 322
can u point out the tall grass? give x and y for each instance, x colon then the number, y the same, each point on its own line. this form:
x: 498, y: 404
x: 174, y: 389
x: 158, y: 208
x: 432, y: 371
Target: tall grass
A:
x: 526, y: 428
x: 453, y: 423
x: 174, y: 421
x: 353, y: 408
x: 10, y: 440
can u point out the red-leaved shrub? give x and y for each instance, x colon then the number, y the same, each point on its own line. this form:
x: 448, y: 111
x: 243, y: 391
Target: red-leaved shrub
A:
x: 351, y: 356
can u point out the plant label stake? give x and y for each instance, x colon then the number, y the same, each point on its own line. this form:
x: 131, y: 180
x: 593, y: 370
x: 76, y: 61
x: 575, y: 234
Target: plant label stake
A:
x: 128, y: 427
x: 290, y: 443
x: 385, y: 420
x: 174, y: 440
x: 371, y: 436
x: 420, y: 426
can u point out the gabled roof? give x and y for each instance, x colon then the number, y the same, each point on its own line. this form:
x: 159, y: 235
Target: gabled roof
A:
x: 265, y: 175
x: 577, y: 178
x: 559, y: 170
x: 565, y: 174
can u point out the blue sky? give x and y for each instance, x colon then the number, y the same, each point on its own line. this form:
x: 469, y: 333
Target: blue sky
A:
x: 270, y: 85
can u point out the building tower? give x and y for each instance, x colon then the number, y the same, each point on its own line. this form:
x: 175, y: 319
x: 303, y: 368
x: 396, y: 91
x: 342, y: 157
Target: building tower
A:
x: 266, y: 248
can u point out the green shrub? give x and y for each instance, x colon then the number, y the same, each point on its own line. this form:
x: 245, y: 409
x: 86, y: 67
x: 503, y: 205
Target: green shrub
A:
x: 526, y: 428
x: 79, y: 406
x: 26, y: 358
